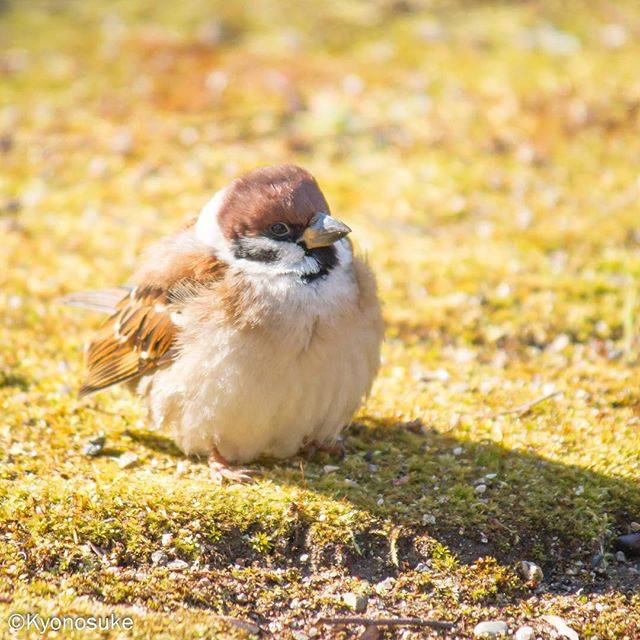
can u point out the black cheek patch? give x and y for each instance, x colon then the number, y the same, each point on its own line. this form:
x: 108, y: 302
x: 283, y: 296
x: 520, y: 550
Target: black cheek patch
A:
x: 254, y: 253
x: 327, y: 258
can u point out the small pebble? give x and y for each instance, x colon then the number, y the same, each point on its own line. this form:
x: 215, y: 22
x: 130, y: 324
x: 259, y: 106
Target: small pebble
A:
x: 159, y: 558
x: 560, y: 343
x: 491, y: 629
x: 562, y: 627
x: 440, y: 375
x: 620, y: 557
x: 481, y: 488
x: 181, y: 468
x: 95, y: 446
x: 122, y: 142
x: 127, y: 460
x: 357, y: 603
x: 428, y: 519
x: 166, y: 539
x: 614, y: 36
x: 384, y: 586
x: 212, y: 33
x: 531, y: 572
x: 455, y: 418
x: 330, y: 468
x: 304, y: 557
x: 178, y: 565
x: 524, y: 633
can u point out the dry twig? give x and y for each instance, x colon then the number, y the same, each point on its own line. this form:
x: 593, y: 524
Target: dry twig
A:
x: 523, y: 409
x: 389, y: 622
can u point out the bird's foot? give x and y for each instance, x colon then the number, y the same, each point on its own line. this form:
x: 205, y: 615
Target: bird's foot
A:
x: 221, y: 471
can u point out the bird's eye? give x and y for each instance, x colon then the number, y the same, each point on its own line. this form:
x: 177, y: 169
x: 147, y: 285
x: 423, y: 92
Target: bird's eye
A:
x: 279, y: 229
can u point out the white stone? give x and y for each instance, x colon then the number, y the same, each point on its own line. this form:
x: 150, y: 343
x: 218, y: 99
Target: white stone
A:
x: 159, y: 558
x: 530, y: 571
x: 561, y: 627
x: 491, y: 629
x: 178, y: 565
x: 357, y: 603
x: 166, y: 539
x: 524, y: 633
x: 330, y: 468
x: 127, y: 460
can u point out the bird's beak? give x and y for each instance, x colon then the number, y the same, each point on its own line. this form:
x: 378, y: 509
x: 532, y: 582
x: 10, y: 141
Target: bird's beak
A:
x: 323, y: 230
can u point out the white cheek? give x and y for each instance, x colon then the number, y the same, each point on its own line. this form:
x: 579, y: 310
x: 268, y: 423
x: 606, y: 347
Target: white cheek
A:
x: 344, y: 252
x: 291, y: 257
x: 207, y: 229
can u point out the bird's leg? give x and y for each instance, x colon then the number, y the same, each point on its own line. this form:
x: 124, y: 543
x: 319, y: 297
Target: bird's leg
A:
x: 221, y: 471
x: 310, y: 449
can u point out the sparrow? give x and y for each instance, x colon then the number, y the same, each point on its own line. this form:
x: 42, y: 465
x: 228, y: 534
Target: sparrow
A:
x: 252, y: 331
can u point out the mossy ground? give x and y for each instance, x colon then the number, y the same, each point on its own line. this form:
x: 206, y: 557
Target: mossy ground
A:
x: 486, y: 155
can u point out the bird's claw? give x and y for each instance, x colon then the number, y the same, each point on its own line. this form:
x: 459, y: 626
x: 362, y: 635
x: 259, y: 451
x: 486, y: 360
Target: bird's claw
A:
x: 221, y: 473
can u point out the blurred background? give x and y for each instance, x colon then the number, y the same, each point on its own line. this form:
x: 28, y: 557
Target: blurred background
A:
x: 502, y: 136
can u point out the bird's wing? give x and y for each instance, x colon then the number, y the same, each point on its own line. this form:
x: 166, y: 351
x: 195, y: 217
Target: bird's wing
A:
x: 133, y: 341
x: 138, y: 336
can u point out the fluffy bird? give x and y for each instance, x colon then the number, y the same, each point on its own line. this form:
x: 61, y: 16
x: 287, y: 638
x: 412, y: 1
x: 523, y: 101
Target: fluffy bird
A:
x: 253, y: 330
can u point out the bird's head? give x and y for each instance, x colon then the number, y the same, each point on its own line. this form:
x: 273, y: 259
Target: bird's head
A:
x: 275, y: 220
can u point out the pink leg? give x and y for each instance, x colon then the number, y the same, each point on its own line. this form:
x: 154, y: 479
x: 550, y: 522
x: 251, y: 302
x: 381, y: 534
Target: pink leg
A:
x: 221, y: 471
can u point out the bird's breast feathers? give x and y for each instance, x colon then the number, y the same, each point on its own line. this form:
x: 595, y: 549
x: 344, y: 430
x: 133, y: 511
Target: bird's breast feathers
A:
x: 293, y: 364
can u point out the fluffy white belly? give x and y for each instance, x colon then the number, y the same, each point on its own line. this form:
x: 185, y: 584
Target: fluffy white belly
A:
x: 265, y: 392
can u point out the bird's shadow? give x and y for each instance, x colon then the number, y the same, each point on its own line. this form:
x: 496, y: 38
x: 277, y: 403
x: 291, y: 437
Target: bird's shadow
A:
x: 155, y: 442
x: 480, y: 498
x: 477, y: 498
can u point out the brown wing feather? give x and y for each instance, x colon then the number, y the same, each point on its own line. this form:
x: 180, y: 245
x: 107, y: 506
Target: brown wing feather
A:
x: 133, y: 341
x: 138, y: 337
